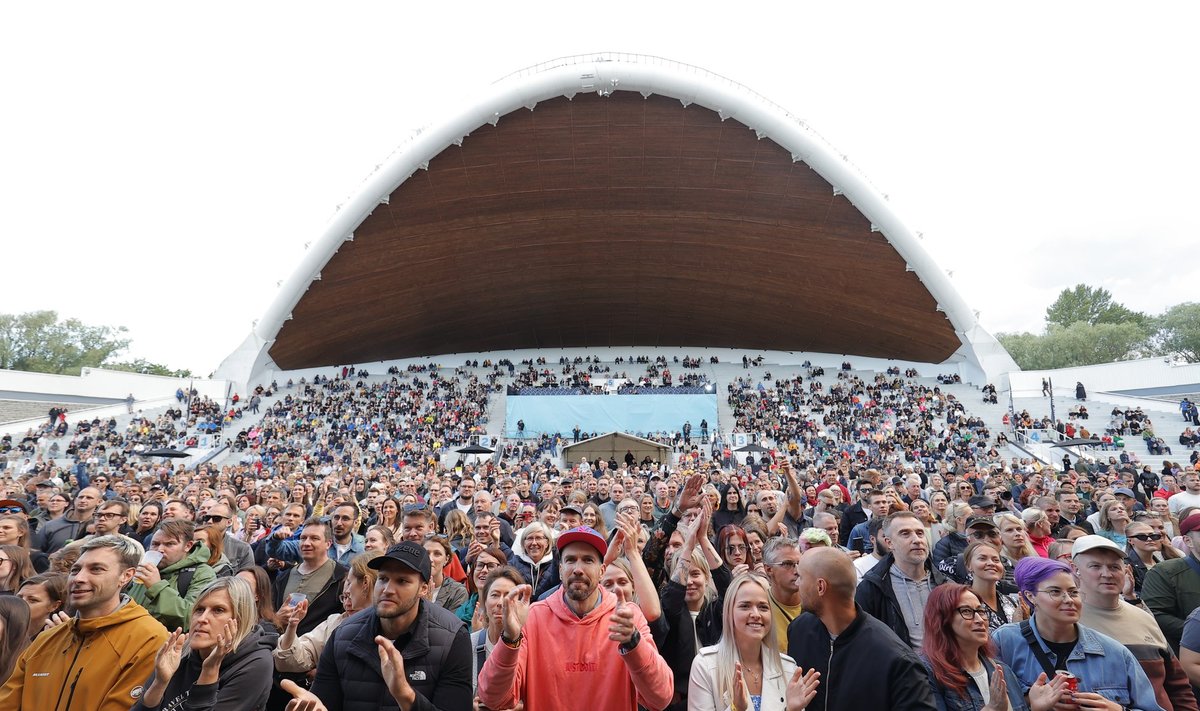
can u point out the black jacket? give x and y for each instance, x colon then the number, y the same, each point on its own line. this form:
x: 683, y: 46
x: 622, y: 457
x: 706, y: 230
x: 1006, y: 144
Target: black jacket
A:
x: 876, y: 596
x: 242, y: 684
x: 328, y: 601
x: 866, y: 667
x: 851, y: 518
x: 437, y: 659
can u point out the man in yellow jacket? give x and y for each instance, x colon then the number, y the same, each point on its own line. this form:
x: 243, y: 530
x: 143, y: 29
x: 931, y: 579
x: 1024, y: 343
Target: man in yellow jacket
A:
x: 99, y: 659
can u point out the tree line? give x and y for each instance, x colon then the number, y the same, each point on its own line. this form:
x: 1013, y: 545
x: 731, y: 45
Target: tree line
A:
x: 41, y: 342
x: 1085, y: 326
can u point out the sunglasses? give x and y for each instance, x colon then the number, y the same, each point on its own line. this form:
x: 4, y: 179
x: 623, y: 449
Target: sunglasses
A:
x: 1147, y: 536
x: 411, y: 508
x: 213, y: 518
x: 11, y: 510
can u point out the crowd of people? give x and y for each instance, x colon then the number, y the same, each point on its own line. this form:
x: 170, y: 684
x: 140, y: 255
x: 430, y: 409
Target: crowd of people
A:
x: 880, y: 554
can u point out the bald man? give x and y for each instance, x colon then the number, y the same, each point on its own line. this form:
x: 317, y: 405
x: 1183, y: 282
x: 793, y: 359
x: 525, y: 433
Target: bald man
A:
x: 863, y: 664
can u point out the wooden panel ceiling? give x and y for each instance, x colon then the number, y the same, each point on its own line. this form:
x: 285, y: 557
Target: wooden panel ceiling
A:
x: 616, y: 221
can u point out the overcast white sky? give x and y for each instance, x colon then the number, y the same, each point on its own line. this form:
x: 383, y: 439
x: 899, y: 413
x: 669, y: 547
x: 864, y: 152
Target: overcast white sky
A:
x: 163, y: 164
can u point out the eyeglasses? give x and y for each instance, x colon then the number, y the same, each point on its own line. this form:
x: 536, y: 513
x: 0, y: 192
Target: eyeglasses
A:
x: 628, y: 509
x: 1059, y: 595
x: 1147, y: 536
x: 5, y: 560
x: 485, y: 566
x: 213, y: 518
x: 789, y: 564
x: 108, y: 514
x: 969, y: 613
x: 735, y: 549
x: 984, y: 535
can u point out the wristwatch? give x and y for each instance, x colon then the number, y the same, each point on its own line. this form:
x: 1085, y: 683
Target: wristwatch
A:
x: 627, y: 647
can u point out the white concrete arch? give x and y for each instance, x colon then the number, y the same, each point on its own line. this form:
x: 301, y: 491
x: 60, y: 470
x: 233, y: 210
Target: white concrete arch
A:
x: 604, y: 74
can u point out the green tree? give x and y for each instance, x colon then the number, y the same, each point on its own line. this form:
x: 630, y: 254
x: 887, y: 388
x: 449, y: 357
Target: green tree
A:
x: 1179, y: 331
x: 145, y: 367
x: 1091, y: 305
x: 38, y: 341
x: 1077, y: 344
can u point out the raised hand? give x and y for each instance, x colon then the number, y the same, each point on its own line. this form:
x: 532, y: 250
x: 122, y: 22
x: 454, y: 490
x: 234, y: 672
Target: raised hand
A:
x: 1045, y: 694
x: 689, y: 497
x: 630, y: 527
x: 802, y: 688
x: 621, y: 625
x: 225, y: 638
x: 514, y: 610
x: 741, y: 693
x: 997, y: 691
x: 479, y: 619
x: 391, y: 665
x: 166, y: 662
x: 614, y: 548
x: 302, y: 699
x: 297, y: 613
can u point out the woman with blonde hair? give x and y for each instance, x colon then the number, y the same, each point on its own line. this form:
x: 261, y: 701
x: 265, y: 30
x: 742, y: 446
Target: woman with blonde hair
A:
x: 745, y: 668
x: 459, y: 529
x: 1014, y: 538
x: 222, y: 661
x: 378, y: 538
x: 1037, y: 526
x: 1114, y: 517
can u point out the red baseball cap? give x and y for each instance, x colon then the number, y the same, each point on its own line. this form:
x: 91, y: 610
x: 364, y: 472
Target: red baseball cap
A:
x: 583, y: 534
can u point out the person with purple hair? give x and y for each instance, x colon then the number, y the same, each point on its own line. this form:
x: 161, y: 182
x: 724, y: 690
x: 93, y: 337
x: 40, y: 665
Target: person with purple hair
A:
x: 1052, y: 642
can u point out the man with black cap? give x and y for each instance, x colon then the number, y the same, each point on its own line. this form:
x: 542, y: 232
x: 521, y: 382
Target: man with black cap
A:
x: 404, y: 653
x: 579, y: 648
x: 980, y: 529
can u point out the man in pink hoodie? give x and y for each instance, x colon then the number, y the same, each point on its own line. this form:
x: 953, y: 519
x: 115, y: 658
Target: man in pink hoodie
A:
x: 579, y: 647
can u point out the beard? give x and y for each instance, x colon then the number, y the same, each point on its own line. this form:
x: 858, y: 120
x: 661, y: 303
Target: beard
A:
x: 398, y: 608
x: 580, y: 589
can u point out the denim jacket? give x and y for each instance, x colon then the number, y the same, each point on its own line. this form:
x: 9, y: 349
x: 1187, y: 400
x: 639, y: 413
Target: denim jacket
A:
x: 1103, y: 665
x: 951, y: 700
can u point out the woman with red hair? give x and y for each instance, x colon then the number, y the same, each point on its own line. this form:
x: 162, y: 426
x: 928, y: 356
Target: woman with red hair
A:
x: 734, y: 547
x: 961, y: 659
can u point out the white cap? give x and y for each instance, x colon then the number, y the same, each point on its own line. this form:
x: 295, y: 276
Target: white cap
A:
x: 1083, y: 544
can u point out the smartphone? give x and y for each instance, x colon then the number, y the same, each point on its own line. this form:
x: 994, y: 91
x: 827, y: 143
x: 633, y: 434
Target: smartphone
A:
x: 296, y: 598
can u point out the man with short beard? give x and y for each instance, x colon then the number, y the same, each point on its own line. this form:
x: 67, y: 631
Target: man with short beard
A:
x: 583, y: 646
x: 405, y: 648
x: 106, y: 650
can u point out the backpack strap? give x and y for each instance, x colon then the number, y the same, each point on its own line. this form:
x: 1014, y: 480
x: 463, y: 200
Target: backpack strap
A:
x: 184, y: 581
x: 1027, y: 633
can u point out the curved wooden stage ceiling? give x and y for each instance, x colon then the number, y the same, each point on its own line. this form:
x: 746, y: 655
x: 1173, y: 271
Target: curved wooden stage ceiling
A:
x: 617, y: 221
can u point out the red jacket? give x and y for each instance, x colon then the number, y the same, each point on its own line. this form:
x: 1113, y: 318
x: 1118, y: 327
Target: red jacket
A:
x: 575, y: 665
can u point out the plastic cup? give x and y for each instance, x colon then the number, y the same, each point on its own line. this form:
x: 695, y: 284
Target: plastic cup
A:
x: 296, y: 598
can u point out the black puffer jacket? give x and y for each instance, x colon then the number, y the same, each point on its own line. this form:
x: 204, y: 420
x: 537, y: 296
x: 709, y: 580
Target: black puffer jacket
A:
x: 437, y: 659
x: 242, y: 685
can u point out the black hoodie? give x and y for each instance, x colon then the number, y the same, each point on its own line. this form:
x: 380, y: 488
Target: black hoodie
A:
x: 242, y: 685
